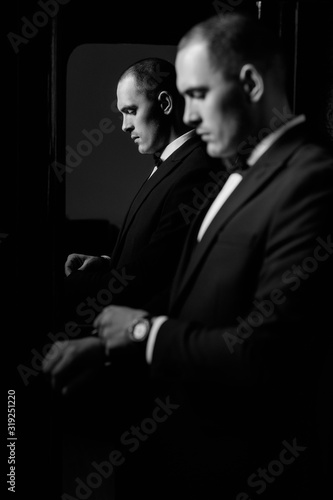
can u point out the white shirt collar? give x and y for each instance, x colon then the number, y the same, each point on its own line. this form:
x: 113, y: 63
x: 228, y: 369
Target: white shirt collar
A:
x: 171, y: 148
x: 269, y: 140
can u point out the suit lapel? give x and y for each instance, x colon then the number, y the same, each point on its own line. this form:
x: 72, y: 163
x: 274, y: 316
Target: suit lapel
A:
x: 131, y: 208
x: 166, y: 168
x: 255, y: 180
x: 190, y: 245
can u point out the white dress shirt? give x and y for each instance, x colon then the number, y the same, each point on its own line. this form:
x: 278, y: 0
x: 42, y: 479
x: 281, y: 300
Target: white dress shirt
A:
x: 231, y: 184
x: 171, y: 148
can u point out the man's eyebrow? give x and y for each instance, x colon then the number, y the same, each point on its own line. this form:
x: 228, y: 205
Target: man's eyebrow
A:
x: 199, y: 88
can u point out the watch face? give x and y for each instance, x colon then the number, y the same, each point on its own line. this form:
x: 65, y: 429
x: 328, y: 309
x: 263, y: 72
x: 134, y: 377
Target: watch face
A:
x: 141, y: 329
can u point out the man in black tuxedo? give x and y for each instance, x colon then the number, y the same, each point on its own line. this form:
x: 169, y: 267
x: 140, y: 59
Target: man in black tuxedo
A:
x: 152, y: 235
x: 144, y: 260
x: 240, y: 348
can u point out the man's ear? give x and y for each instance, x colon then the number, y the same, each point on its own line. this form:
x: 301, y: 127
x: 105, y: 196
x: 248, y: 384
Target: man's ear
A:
x: 165, y: 101
x: 252, y: 82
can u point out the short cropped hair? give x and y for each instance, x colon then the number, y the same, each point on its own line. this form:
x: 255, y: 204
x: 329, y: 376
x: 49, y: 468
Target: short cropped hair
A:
x: 153, y: 75
x: 234, y: 40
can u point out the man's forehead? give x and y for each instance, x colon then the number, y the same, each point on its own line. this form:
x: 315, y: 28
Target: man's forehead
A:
x: 192, y: 64
x: 195, y: 49
x: 128, y: 92
x: 193, y: 57
x: 127, y: 84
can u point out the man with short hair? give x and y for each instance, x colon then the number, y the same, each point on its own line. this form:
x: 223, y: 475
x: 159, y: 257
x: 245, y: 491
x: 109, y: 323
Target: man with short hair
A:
x: 240, y: 349
x: 143, y: 263
x: 152, y: 235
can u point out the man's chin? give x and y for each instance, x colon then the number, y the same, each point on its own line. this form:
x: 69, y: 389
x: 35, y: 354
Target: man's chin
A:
x: 213, y: 150
x: 142, y: 150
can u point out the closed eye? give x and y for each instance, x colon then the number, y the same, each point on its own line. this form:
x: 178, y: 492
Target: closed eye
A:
x: 199, y: 93
x: 129, y: 110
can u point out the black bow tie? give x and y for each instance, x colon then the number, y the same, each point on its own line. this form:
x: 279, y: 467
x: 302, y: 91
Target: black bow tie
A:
x: 157, y: 160
x: 238, y: 164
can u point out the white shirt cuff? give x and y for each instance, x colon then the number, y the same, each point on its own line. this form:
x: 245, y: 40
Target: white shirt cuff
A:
x: 157, y: 323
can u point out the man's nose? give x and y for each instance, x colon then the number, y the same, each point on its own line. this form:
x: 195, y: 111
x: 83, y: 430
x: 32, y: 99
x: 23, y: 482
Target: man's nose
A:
x: 191, y: 115
x: 127, y: 125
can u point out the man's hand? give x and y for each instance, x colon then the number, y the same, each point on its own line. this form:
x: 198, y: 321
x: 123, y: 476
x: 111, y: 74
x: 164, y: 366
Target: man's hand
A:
x: 113, y: 323
x: 71, y: 362
x: 80, y: 262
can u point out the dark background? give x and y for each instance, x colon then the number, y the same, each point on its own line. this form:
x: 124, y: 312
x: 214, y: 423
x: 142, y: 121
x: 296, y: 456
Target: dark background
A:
x: 111, y: 165
x: 34, y: 232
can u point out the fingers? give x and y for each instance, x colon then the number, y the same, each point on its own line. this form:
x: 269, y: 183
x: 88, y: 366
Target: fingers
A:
x: 54, y: 355
x: 85, y: 264
x: 104, y: 317
x: 117, y: 316
x: 59, y: 363
x: 68, y: 268
x: 68, y: 362
x: 92, y: 263
x: 73, y: 262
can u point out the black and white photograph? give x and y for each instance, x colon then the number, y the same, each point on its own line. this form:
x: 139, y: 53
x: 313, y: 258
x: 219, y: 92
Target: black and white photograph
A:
x: 166, y: 249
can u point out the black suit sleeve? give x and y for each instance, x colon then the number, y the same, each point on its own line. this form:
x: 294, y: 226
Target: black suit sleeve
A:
x: 156, y: 264
x: 288, y: 319
x: 147, y: 277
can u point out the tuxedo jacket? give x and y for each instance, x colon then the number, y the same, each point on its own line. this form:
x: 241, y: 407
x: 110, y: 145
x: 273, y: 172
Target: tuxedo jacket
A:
x: 244, y: 347
x: 153, y: 233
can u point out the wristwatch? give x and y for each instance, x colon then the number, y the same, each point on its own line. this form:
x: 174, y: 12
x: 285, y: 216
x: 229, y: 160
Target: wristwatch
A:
x: 140, y: 328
